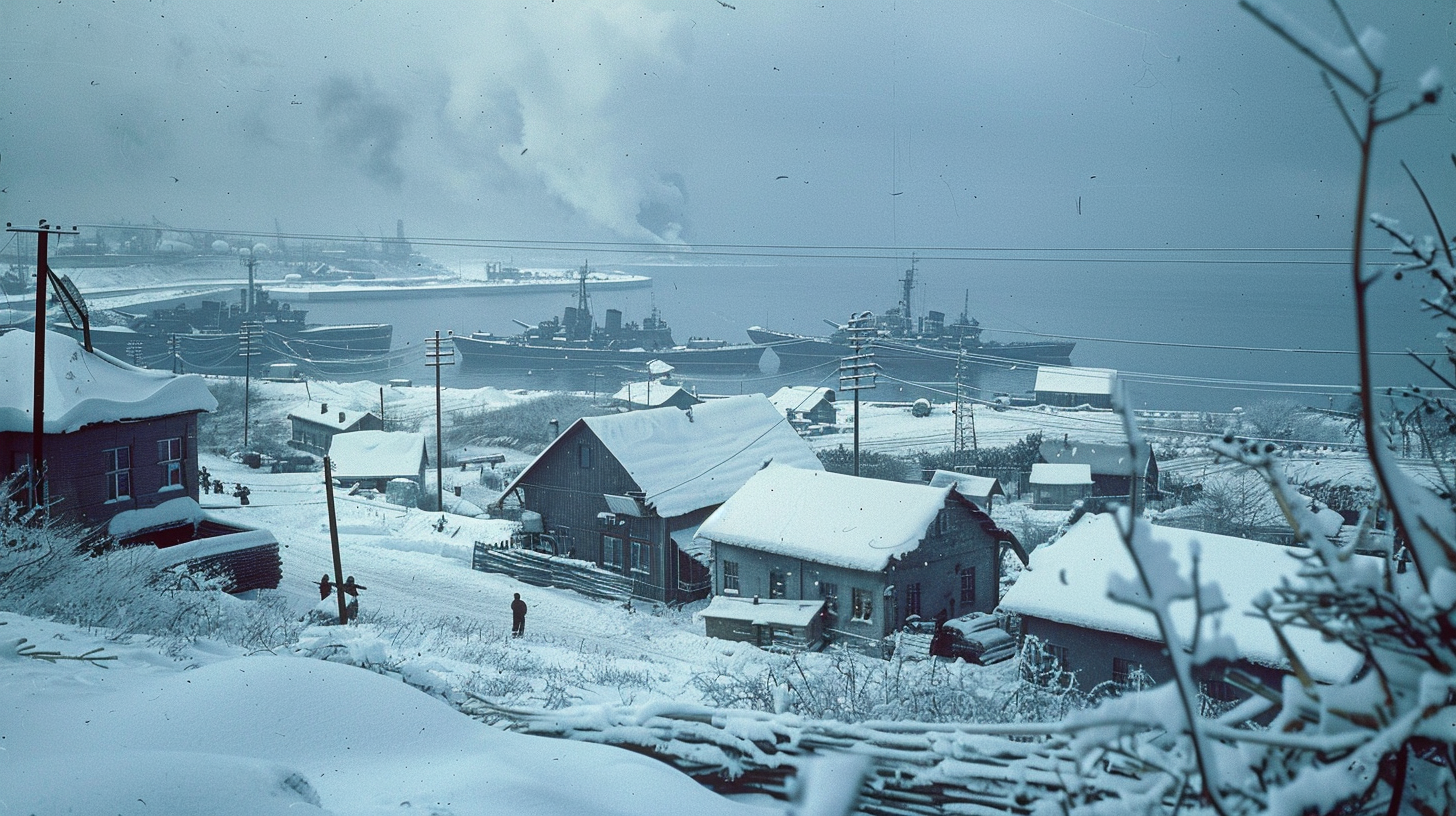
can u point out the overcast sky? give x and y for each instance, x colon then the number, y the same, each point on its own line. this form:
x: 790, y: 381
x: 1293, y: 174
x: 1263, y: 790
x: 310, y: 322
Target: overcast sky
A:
x: 756, y: 121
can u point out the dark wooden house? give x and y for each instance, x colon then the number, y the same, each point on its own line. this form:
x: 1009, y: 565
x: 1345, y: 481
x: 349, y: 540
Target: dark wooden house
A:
x: 626, y: 492
x: 875, y: 552
x: 120, y: 454
x: 1110, y: 463
x: 1062, y: 601
x: 1068, y: 387
x: 314, y: 425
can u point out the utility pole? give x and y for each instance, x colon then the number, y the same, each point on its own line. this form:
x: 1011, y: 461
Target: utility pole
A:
x: 248, y: 299
x: 435, y: 358
x: 858, y: 371
x: 248, y: 339
x: 175, y: 346
x: 42, y: 234
x: 334, y: 542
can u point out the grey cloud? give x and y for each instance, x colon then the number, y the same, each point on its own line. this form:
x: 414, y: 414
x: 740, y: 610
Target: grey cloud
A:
x: 365, y: 126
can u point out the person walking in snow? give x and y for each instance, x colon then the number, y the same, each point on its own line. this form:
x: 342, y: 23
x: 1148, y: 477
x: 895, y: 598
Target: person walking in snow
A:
x: 217, y: 486
x: 326, y: 587
x: 518, y: 616
x: 241, y: 491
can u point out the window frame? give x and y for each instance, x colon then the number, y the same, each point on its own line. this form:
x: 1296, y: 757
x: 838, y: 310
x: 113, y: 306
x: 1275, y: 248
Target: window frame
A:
x: 171, y: 464
x: 829, y: 593
x: 912, y: 599
x: 968, y: 598
x: 613, y: 552
x: 731, y: 581
x: 862, y: 607
x: 641, y: 563
x: 584, y: 456
x: 778, y: 584
x: 1123, y: 671
x: 118, y: 473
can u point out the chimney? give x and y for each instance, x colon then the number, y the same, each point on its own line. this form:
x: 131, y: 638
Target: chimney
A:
x: 755, y: 600
x: 555, y: 428
x: 323, y: 408
x: 341, y: 417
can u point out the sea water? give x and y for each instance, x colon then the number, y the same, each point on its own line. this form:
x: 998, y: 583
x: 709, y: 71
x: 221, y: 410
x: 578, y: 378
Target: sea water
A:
x: 1179, y: 314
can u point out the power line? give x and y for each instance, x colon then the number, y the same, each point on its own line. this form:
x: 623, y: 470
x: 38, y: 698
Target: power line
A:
x: 810, y: 251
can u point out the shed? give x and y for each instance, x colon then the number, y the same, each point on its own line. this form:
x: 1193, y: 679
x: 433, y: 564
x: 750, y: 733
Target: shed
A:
x: 980, y: 489
x: 638, y: 395
x: 1111, y: 464
x: 315, y: 424
x: 763, y: 622
x: 1058, y: 486
x: 373, y: 458
x: 1068, y: 387
x: 806, y: 403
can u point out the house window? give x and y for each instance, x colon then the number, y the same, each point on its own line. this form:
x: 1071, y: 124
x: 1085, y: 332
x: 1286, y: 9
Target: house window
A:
x: 1128, y: 673
x: 730, y: 578
x: 169, y: 457
x: 778, y: 582
x: 941, y: 524
x: 1056, y: 657
x: 912, y: 600
x: 863, y: 604
x: 118, y: 473
x: 830, y: 593
x: 583, y: 455
x: 968, y: 587
x: 612, y: 552
x: 641, y: 557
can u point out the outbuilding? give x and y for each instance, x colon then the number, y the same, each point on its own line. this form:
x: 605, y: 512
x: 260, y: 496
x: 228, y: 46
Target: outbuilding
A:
x: 373, y: 458
x: 1058, y: 487
x: 314, y: 425
x: 1069, y: 387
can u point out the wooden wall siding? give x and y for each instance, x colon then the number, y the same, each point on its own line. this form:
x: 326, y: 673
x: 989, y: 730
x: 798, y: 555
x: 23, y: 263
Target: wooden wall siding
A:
x: 569, y: 499
x: 1063, y: 399
x: 1090, y: 653
x: 1058, y: 497
x: 934, y: 565
x: 76, y: 465
x: 315, y: 437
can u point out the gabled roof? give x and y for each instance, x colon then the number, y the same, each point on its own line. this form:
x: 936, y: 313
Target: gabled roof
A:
x: 86, y: 388
x: 799, y: 398
x: 1105, y: 459
x: 653, y: 395
x: 1067, y: 582
x: 827, y: 518
x: 688, y: 460
x: 1042, y: 473
x: 376, y: 454
x: 976, y: 488
x: 321, y: 413
x: 1070, y: 380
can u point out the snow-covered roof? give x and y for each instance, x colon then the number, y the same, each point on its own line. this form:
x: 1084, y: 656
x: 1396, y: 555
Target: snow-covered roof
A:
x: 85, y: 388
x: 651, y: 396
x: 827, y: 518
x: 376, y: 454
x: 1067, y: 582
x: 688, y: 541
x: 173, y: 512
x: 688, y: 460
x: 799, y: 398
x: 322, y: 413
x: 1042, y: 473
x: 975, y: 488
x: 1105, y: 459
x: 1070, y: 380
x: 764, y: 612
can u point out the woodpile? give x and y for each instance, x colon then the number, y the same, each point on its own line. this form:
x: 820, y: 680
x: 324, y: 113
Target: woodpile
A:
x: 540, y: 569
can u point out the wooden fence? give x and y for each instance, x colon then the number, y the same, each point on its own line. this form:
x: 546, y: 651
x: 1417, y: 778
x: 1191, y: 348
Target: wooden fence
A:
x: 543, y: 570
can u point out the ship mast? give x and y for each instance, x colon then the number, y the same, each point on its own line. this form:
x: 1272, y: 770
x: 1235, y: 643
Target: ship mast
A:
x: 909, y: 283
